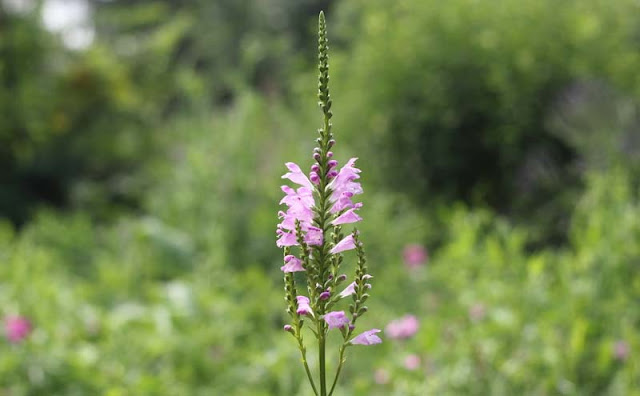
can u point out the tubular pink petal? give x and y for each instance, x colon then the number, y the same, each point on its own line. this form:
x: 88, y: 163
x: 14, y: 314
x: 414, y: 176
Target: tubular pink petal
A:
x: 346, y: 244
x: 303, y: 306
x: 349, y: 290
x: 293, y: 264
x: 296, y: 175
x: 368, y: 337
x: 347, y: 217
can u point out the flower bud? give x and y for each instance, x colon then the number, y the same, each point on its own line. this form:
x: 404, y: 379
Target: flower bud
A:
x: 332, y: 164
x: 316, y: 156
x: 332, y: 174
x: 315, y: 168
x: 324, y: 295
x: 330, y: 154
x: 352, y: 327
x: 288, y: 328
x: 331, y: 143
x: 342, y: 278
x: 315, y: 179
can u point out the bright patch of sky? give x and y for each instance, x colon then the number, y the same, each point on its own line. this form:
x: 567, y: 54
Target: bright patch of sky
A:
x: 71, y: 19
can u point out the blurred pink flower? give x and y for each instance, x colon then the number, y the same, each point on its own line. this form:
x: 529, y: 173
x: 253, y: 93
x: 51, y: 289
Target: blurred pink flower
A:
x: 412, y: 362
x: 621, y: 350
x: 17, y: 328
x: 381, y: 376
x: 477, y: 312
x: 404, y: 327
x: 415, y: 256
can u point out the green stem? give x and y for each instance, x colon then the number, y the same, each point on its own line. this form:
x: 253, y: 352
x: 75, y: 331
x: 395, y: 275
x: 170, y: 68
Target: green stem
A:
x: 306, y: 368
x: 335, y: 379
x: 321, y: 346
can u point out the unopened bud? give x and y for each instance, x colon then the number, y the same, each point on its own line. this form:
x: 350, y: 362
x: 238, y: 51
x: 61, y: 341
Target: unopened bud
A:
x: 324, y: 295
x: 332, y: 174
x: 352, y: 326
x: 288, y: 328
x: 332, y: 164
x: 330, y: 154
x: 331, y: 143
x: 342, y: 278
x: 316, y: 156
x: 315, y: 179
x: 315, y: 168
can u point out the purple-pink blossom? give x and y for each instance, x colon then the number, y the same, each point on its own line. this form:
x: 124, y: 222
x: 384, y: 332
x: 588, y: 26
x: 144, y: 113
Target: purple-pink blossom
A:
x: 347, y: 243
x: 404, y: 327
x: 292, y: 264
x: 336, y: 319
x: 303, y: 306
x: 415, y: 256
x: 368, y: 337
x: 17, y: 328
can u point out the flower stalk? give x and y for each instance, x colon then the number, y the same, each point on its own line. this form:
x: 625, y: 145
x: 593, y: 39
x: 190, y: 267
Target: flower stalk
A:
x: 312, y: 225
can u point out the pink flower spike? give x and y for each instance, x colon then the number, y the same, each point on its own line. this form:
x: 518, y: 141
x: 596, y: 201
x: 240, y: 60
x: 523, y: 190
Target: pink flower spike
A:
x: 346, y: 244
x: 293, y: 264
x: 17, y: 328
x: 336, y: 319
x: 303, y: 306
x: 296, y: 175
x: 404, y: 327
x: 349, y: 290
x: 368, y: 337
x: 347, y: 217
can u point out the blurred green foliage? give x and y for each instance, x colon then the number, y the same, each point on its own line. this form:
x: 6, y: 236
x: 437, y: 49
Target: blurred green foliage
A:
x: 484, y: 130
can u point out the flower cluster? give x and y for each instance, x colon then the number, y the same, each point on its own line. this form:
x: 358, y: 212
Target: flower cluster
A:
x: 318, y: 206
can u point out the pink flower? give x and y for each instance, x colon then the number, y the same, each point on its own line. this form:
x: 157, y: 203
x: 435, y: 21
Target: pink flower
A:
x: 299, y: 203
x: 368, y: 337
x: 404, y: 327
x: 412, y: 362
x: 292, y: 264
x: 347, y: 217
x: 296, y: 175
x: 17, y: 328
x: 621, y: 350
x: 303, y: 306
x: 313, y: 236
x: 286, y: 238
x: 381, y: 376
x: 414, y: 256
x: 344, y: 187
x: 346, y: 244
x: 336, y: 319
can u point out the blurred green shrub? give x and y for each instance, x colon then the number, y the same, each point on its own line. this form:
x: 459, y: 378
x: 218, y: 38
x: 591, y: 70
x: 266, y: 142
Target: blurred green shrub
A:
x: 457, y: 95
